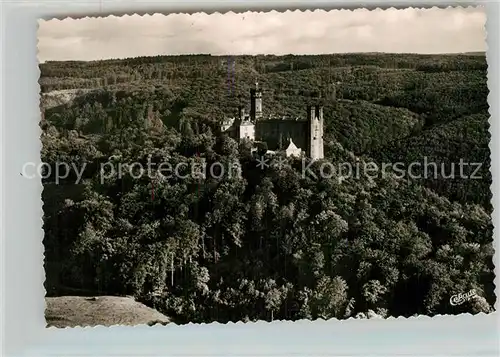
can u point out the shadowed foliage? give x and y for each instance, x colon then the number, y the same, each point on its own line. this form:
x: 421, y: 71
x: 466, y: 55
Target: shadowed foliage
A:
x: 271, y: 243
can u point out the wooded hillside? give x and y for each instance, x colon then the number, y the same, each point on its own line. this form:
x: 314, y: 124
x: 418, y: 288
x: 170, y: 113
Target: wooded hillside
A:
x: 271, y: 244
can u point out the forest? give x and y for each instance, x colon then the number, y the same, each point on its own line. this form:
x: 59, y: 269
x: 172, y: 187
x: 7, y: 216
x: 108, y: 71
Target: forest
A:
x: 270, y: 244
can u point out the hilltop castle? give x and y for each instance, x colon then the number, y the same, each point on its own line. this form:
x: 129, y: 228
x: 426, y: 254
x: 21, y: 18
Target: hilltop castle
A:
x: 293, y: 136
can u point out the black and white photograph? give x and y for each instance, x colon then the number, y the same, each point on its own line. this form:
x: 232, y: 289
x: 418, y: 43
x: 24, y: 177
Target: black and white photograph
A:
x: 265, y: 166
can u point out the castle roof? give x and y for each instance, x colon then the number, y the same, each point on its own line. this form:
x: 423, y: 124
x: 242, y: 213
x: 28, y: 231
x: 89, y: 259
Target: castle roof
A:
x: 246, y: 120
x: 292, y: 146
x: 227, y: 121
x: 293, y: 150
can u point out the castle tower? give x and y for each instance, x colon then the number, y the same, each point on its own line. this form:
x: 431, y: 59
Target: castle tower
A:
x: 245, y: 127
x: 315, y: 148
x: 321, y: 148
x: 255, y: 103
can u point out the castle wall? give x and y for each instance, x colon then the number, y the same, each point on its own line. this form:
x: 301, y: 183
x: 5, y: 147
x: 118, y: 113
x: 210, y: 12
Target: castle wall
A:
x: 277, y: 133
x: 315, y: 134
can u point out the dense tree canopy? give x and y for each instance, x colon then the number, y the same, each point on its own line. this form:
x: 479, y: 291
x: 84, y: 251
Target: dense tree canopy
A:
x: 270, y: 243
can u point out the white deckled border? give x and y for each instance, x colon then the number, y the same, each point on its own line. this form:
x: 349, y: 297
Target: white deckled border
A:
x: 23, y: 324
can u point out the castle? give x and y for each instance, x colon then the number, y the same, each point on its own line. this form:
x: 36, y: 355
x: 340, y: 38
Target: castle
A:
x: 293, y: 136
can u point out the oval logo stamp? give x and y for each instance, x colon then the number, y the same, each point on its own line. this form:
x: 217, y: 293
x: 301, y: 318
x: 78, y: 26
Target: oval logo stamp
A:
x: 459, y: 299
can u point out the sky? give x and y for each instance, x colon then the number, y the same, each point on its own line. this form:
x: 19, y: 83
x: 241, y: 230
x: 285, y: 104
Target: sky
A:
x: 450, y: 30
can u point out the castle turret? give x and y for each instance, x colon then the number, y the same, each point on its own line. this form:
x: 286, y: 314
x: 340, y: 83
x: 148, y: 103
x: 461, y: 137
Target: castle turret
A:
x: 315, y: 134
x: 319, y: 114
x: 255, y: 102
x: 246, y: 127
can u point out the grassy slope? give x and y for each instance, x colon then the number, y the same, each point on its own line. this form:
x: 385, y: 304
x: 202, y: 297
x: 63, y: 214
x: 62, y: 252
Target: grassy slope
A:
x: 72, y: 311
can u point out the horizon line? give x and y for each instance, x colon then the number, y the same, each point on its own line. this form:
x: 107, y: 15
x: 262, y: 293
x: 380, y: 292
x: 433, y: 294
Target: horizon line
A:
x: 269, y: 54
